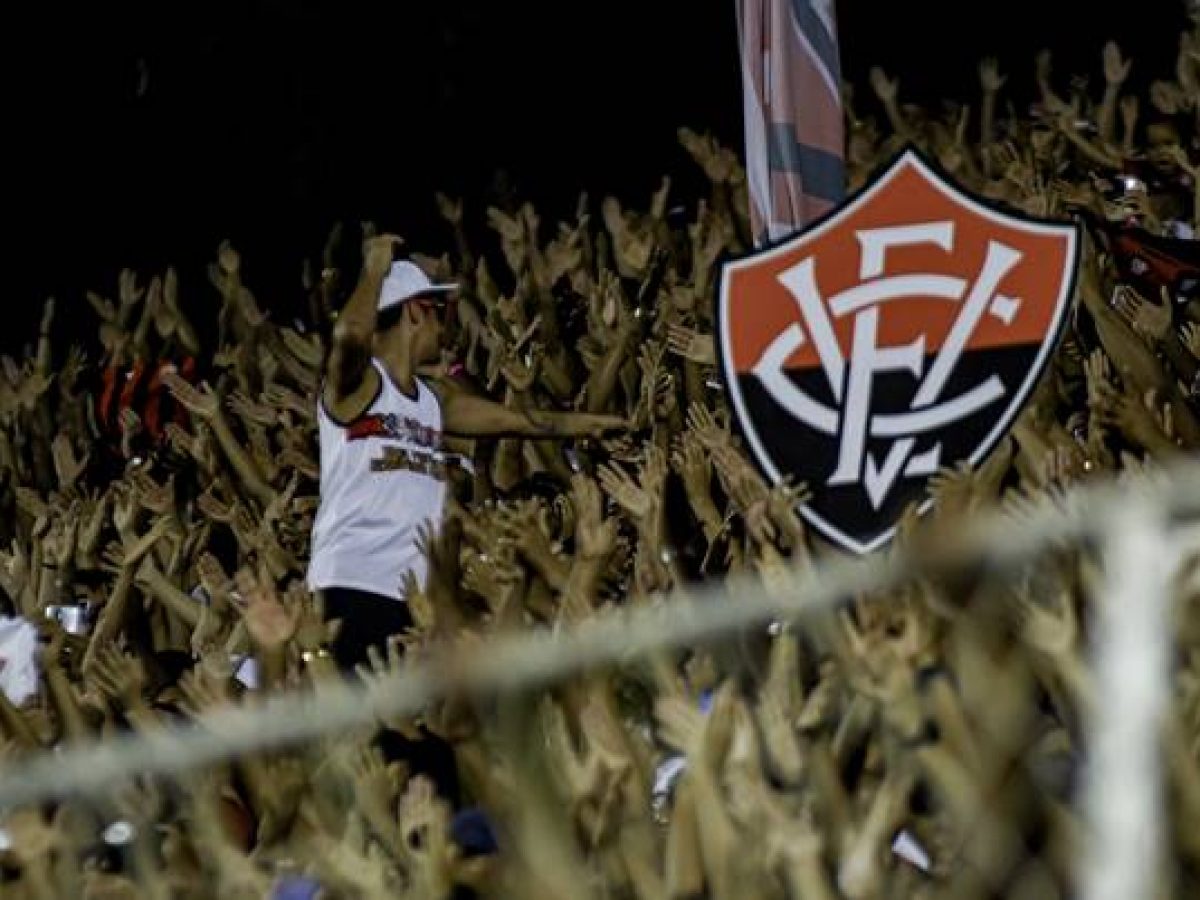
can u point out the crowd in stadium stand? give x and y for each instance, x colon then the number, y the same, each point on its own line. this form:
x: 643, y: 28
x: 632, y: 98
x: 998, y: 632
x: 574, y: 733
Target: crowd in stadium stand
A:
x: 157, y: 498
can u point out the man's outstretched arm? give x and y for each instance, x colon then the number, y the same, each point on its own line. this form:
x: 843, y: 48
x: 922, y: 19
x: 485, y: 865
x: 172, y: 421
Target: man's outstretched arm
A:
x: 469, y: 416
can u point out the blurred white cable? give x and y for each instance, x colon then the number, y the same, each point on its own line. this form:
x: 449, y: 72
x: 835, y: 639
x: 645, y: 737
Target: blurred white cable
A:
x: 533, y: 659
x: 1123, y: 789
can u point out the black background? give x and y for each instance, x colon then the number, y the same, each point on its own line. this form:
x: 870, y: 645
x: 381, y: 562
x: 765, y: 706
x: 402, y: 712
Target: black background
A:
x: 140, y: 134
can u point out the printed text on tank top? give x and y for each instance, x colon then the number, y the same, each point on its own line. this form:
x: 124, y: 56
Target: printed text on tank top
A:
x: 422, y: 454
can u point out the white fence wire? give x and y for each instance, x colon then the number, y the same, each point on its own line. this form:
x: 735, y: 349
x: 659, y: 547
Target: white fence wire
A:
x: 1127, y: 521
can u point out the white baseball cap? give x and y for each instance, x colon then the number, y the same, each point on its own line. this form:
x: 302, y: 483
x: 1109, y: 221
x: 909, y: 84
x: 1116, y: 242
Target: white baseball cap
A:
x: 406, y: 280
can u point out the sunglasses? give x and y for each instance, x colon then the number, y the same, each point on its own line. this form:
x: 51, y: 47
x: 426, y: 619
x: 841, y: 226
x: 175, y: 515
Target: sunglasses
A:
x: 443, y: 308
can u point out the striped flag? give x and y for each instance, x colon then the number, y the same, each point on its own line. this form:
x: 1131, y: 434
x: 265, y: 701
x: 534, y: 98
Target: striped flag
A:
x: 791, y: 80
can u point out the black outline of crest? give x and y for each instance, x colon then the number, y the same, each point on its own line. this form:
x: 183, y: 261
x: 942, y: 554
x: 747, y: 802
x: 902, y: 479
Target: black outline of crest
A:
x: 1016, y: 404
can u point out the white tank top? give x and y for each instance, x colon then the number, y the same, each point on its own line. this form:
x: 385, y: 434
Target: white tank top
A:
x: 382, y: 476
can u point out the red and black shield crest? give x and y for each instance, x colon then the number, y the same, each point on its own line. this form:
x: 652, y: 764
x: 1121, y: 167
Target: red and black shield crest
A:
x: 901, y: 333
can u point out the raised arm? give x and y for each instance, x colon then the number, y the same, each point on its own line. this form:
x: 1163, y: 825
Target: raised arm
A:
x: 349, y: 379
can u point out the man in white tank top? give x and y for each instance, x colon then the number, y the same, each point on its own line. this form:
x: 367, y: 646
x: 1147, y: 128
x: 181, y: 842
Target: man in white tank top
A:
x: 383, y: 468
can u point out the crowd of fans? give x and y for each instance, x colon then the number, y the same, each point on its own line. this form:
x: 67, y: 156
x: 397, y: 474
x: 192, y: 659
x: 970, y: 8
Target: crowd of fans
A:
x: 156, y: 499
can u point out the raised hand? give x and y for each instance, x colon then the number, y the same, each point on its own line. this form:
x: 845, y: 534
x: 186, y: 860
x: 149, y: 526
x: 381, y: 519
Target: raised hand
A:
x: 886, y: 89
x: 200, y: 401
x: 1116, y: 69
x: 1151, y: 320
x: 66, y: 466
x: 104, y: 308
x: 1138, y: 418
x: 120, y: 676
x: 270, y: 624
x: 701, y: 423
x: 1098, y: 372
x: 249, y: 411
x: 1051, y: 627
x: 523, y: 525
x: 425, y: 833
x: 595, y: 535
x: 990, y: 78
x: 449, y: 209
x: 283, y: 398
x: 158, y: 499
x: 691, y: 344
x: 1189, y: 336
x: 216, y: 509
x: 622, y: 487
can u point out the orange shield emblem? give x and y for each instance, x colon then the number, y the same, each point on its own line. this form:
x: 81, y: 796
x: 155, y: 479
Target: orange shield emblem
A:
x: 900, y: 334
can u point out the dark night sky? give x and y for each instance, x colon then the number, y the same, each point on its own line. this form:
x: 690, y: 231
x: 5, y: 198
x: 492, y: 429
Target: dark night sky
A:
x: 266, y: 120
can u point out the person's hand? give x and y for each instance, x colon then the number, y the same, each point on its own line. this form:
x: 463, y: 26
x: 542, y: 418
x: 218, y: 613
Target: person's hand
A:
x: 287, y: 400
x: 493, y: 577
x: 1189, y: 336
x: 1116, y: 69
x: 704, y: 739
x: 952, y: 489
x: 128, y: 292
x: 657, y: 396
x: 119, y: 676
x: 1049, y: 627
x: 595, y: 535
x: 691, y: 464
x: 601, y: 426
x: 1136, y: 417
x: 521, y: 370
x: 990, y: 78
x: 704, y: 426
x: 1178, y: 155
x: 32, y: 387
x: 633, y: 246
x: 783, y: 499
x: 33, y: 838
x: 103, y: 307
x: 449, y: 209
x: 719, y: 163
x: 746, y: 488
x: 302, y: 462
x: 1151, y: 320
x: 66, y: 466
x: 270, y: 624
x: 249, y: 411
x: 1098, y: 373
x: 883, y: 667
x: 524, y: 526
x: 382, y: 668
x: 210, y: 633
x: 624, y: 489
x: 376, y: 783
x: 157, y: 498
x: 691, y: 344
x: 72, y: 367
x: 308, y: 349
x: 214, y: 508
x: 47, y: 316
x: 379, y: 251
x: 200, y: 400
x: 425, y: 833
x: 512, y: 238
x: 886, y: 89
x: 1167, y: 98
x: 207, y: 686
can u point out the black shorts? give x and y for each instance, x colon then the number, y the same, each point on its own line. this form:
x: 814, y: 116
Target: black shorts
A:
x: 367, y: 620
